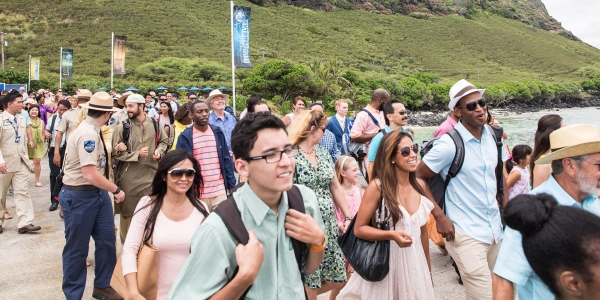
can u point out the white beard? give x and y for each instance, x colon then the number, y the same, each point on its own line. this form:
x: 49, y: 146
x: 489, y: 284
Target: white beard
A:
x: 587, y: 185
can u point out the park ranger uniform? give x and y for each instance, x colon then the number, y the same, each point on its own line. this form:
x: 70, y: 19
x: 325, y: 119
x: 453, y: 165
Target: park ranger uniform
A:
x: 13, y: 153
x: 87, y: 209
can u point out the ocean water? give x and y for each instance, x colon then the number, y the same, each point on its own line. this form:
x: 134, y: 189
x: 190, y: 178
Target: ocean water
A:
x: 521, y: 128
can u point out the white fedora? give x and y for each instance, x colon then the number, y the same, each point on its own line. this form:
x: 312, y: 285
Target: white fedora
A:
x: 461, y: 89
x: 571, y: 141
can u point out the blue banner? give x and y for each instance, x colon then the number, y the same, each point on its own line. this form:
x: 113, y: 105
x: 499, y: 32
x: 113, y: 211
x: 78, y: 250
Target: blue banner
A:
x: 241, y: 36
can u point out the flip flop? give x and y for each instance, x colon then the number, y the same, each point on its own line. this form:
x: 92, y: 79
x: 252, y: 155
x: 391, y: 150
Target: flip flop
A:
x: 7, y: 216
x: 39, y: 184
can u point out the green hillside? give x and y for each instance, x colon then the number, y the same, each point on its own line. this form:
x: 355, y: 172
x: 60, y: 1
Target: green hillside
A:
x: 373, y: 45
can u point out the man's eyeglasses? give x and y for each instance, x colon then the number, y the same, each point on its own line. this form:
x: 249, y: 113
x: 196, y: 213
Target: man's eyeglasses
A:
x: 273, y: 157
x: 193, y: 98
x: 402, y: 112
x: 405, y: 152
x: 178, y: 172
x: 471, y: 106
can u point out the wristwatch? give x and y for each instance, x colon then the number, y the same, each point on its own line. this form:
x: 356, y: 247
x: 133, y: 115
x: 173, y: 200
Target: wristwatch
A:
x: 117, y: 191
x: 347, y: 219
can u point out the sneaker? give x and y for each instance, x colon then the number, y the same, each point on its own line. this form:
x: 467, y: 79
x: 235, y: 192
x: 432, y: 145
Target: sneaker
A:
x: 106, y: 294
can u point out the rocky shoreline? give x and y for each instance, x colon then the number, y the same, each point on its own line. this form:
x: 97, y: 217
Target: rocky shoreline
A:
x: 435, y: 115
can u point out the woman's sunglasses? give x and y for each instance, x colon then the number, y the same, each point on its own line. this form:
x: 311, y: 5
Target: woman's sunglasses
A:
x: 405, y: 152
x: 177, y: 173
x: 471, y: 106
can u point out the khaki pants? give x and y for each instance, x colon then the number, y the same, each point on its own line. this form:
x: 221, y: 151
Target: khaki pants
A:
x: 475, y: 260
x: 124, y: 226
x: 212, y: 203
x: 20, y: 182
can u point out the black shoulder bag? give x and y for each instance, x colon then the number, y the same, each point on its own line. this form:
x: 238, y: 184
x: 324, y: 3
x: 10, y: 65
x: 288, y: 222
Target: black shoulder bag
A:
x: 369, y: 259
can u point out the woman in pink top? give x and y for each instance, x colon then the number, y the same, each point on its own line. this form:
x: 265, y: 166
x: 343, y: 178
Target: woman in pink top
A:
x: 167, y: 219
x: 346, y: 172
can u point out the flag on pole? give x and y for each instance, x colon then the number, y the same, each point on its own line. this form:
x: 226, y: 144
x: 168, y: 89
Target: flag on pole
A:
x: 241, y: 36
x: 119, y: 48
x: 66, y: 58
x: 34, y: 68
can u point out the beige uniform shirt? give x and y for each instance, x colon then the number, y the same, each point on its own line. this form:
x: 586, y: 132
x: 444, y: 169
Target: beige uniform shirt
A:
x: 117, y: 118
x: 11, y: 152
x: 84, y: 148
x: 68, y: 122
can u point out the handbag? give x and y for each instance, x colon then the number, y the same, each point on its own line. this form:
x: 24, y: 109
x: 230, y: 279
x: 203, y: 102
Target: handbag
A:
x: 147, y: 273
x: 369, y: 259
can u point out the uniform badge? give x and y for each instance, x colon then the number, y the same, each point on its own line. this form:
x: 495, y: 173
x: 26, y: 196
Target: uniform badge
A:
x: 6, y: 123
x: 89, y: 146
x: 111, y: 121
x: 103, y: 162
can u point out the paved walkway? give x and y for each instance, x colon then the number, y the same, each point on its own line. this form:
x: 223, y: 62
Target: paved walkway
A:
x: 32, y: 263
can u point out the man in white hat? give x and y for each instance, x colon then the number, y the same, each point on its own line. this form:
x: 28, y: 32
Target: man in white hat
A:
x: 121, y: 115
x: 68, y: 123
x: 219, y: 117
x: 86, y: 205
x: 575, y: 181
x: 138, y: 151
x: 471, y: 225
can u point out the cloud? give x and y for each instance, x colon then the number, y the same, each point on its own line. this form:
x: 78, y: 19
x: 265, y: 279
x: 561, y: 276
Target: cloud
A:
x: 578, y: 16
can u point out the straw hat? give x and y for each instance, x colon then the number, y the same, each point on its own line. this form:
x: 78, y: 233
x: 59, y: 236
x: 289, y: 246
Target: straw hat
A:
x: 572, y: 141
x: 83, y: 94
x: 215, y: 93
x: 29, y: 101
x: 461, y: 89
x: 121, y: 100
x: 100, y: 101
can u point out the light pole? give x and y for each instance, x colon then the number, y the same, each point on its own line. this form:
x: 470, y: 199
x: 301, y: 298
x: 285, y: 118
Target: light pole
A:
x: 2, y: 41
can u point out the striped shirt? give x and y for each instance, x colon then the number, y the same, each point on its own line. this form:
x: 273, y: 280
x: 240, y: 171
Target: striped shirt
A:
x: 205, y: 152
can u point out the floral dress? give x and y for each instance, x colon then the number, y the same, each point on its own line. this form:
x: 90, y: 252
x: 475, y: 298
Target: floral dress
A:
x: 332, y: 267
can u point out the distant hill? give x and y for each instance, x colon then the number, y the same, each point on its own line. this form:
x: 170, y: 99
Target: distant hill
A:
x: 493, y: 41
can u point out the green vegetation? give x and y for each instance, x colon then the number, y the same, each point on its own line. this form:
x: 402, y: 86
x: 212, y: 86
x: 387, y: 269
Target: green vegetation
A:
x: 344, y: 53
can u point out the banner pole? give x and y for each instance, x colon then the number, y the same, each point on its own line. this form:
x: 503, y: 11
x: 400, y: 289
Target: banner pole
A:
x: 29, y: 75
x: 60, y: 71
x: 112, y: 57
x: 232, y: 60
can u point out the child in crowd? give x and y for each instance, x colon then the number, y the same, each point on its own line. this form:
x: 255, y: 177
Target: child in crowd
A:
x: 518, y: 181
x: 346, y: 172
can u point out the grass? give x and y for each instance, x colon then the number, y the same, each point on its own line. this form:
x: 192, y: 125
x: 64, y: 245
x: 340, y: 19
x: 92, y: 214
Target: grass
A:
x: 374, y: 45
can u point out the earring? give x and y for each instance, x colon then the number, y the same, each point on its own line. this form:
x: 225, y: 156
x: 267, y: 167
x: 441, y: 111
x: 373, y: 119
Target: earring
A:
x: 393, y: 162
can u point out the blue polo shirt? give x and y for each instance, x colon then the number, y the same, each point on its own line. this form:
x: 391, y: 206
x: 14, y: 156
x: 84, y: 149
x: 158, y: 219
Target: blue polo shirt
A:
x: 471, y: 196
x: 375, y: 141
x: 226, y: 124
x: 511, y: 263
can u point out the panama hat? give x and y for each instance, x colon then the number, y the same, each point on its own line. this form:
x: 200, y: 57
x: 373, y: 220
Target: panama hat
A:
x: 123, y: 97
x: 461, y: 89
x: 29, y: 101
x: 571, y: 141
x: 215, y: 93
x: 83, y: 94
x: 100, y: 101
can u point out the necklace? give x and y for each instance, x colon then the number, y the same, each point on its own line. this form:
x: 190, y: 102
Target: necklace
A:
x: 309, y: 153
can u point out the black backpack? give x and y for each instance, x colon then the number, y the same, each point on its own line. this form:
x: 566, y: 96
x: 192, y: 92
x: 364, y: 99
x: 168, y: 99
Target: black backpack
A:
x: 232, y: 218
x: 438, y: 184
x: 127, y: 132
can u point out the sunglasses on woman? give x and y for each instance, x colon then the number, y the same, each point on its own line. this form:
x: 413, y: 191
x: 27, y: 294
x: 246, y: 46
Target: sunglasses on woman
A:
x: 405, y: 152
x: 178, y: 172
x: 471, y: 106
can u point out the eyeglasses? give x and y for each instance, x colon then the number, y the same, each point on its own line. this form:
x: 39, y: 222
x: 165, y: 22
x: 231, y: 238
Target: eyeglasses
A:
x: 322, y: 128
x: 194, y: 98
x: 273, y: 157
x: 405, y: 152
x: 177, y: 173
x: 402, y: 112
x: 471, y: 106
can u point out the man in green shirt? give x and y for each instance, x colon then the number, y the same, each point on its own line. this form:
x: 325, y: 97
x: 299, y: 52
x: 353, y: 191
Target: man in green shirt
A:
x: 267, y: 263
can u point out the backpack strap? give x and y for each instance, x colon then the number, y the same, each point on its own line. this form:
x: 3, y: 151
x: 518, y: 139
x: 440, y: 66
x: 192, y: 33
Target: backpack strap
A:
x: 156, y: 132
x: 457, y: 161
x: 126, y: 133
x: 372, y: 117
x: 496, y: 132
x: 52, y: 124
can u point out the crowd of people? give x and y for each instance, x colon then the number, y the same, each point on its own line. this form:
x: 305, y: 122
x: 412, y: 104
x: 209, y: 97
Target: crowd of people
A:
x: 253, y: 206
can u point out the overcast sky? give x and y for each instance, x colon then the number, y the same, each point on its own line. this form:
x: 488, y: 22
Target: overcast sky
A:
x: 582, y: 17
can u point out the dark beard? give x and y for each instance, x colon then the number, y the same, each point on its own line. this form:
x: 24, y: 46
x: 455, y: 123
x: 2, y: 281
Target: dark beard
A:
x: 381, y: 107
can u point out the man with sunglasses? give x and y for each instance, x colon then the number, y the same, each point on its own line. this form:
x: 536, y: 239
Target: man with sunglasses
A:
x: 396, y: 118
x: 471, y: 223
x: 208, y: 145
x: 266, y: 265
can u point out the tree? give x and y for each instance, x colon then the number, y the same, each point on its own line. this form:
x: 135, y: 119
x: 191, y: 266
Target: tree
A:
x: 278, y: 77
